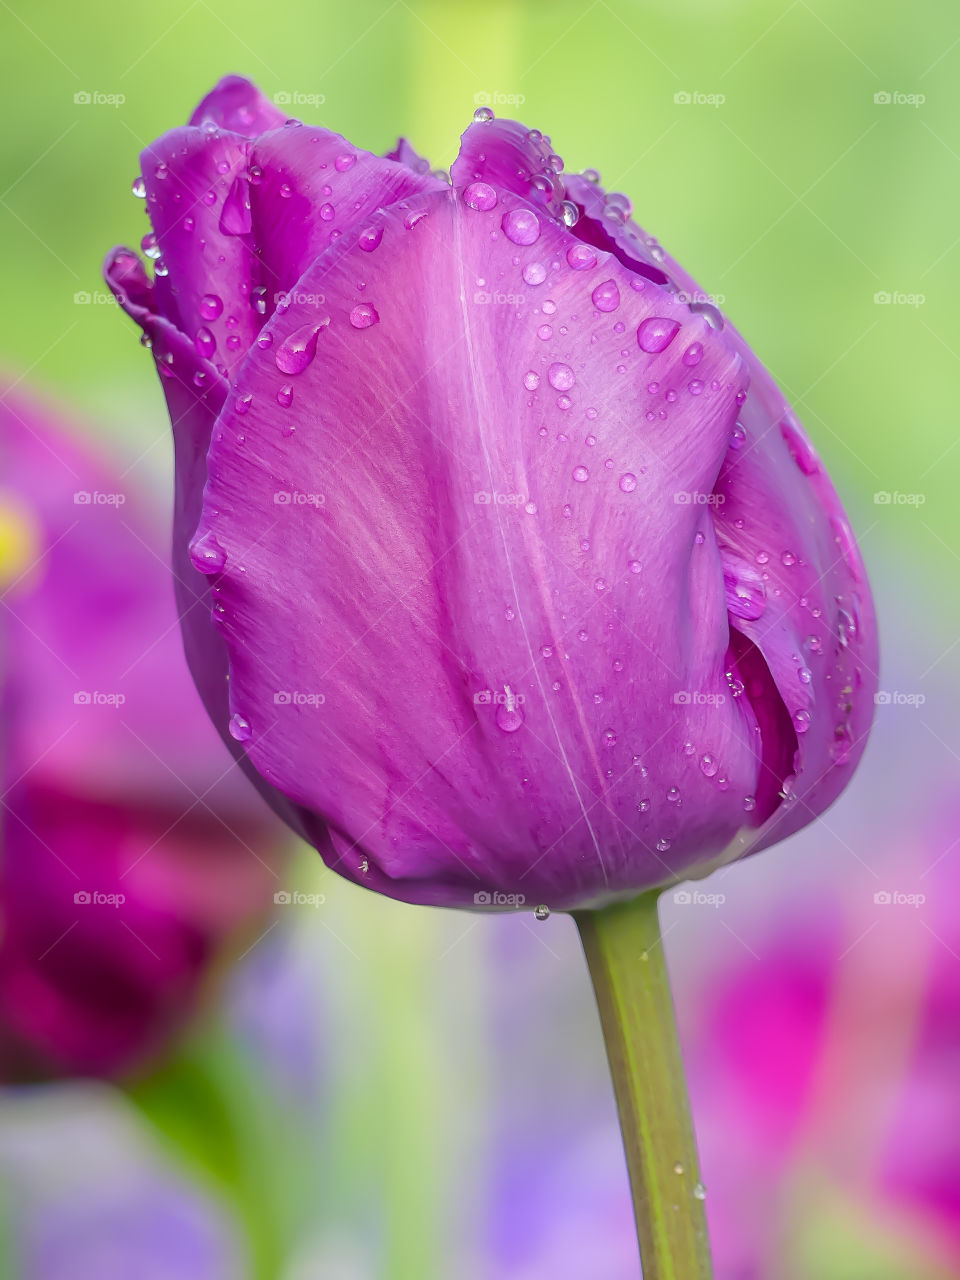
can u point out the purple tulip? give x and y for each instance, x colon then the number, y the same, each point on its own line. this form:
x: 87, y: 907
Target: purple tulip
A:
x: 132, y: 850
x: 527, y: 581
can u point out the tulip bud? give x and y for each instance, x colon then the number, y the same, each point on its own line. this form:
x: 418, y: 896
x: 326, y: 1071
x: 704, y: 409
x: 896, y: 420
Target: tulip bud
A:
x: 529, y: 586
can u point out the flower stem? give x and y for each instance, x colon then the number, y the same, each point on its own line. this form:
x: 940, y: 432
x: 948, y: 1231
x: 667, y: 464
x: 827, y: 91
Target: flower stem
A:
x: 624, y: 952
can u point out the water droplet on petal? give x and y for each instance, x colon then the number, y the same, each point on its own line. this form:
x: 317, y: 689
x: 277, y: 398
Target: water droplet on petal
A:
x: 708, y: 766
x: 521, y: 226
x: 363, y: 316
x: 508, y: 715
x: 370, y: 238
x: 480, y: 196
x: 609, y: 738
x: 344, y: 162
x: 606, y: 296
x: 656, y: 333
x: 582, y: 257
x: 139, y: 187
x: 534, y: 273
x: 561, y: 377
x: 211, y: 305
x: 298, y: 349
x: 542, y: 913
x: 205, y: 343
x: 628, y: 482
x: 693, y: 354
x: 483, y: 115
x: 240, y: 729
x: 236, y: 218
x: 207, y: 555
x: 285, y: 396
x: 581, y: 475
x: 801, y: 720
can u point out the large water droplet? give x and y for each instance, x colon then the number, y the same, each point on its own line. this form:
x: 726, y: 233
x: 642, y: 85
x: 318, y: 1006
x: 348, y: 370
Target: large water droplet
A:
x: 521, y: 226
x: 582, y: 257
x: 236, y: 218
x: 508, y: 715
x: 207, y: 555
x: 370, y: 238
x: 656, y: 333
x: 606, y: 296
x: 298, y: 349
x: 363, y: 316
x: 239, y: 728
x: 581, y: 475
x: 480, y: 196
x: 561, y: 377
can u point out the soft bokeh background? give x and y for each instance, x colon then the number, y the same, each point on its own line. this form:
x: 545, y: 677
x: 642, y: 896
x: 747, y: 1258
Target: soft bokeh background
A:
x: 383, y: 1091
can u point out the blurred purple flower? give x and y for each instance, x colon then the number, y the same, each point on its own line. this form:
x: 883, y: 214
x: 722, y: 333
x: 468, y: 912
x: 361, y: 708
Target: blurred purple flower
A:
x: 525, y: 576
x: 131, y: 847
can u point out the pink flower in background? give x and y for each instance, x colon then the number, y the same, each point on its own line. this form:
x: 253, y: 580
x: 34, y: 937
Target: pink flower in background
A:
x: 527, y: 581
x: 132, y: 849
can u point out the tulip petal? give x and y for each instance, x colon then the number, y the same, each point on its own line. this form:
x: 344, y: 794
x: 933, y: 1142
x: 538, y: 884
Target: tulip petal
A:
x: 404, y: 153
x: 196, y: 188
x: 236, y: 104
x: 511, y: 157
x: 314, y: 185
x: 496, y: 493
x: 780, y: 514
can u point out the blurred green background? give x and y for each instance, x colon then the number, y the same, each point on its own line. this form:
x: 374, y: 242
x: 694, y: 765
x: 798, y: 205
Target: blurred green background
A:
x: 800, y: 197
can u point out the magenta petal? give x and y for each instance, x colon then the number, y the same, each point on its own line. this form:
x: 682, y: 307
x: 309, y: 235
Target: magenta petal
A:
x: 238, y: 105
x: 195, y: 181
x: 511, y: 157
x: 477, y: 621
x: 314, y: 185
x: 403, y: 153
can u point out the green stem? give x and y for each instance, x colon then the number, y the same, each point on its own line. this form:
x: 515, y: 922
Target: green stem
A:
x: 624, y: 951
